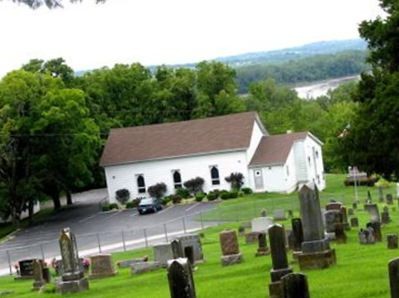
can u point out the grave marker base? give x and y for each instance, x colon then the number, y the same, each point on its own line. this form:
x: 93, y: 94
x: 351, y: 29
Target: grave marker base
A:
x: 316, y: 260
x: 72, y: 286
x: 231, y: 259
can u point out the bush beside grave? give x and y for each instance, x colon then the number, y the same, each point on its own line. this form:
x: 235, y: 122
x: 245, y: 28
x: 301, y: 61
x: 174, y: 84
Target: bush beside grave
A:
x: 176, y: 199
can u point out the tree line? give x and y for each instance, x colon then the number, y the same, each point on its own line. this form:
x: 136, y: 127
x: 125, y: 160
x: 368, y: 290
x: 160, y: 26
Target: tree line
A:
x: 309, y: 69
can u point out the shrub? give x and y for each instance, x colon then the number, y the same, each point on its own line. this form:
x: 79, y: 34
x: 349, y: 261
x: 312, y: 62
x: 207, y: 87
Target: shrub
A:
x: 246, y: 190
x: 113, y: 206
x: 236, y: 180
x: 225, y: 195
x: 176, y: 199
x: 166, y: 200
x: 213, y: 195
x: 194, y: 185
x: 157, y: 190
x: 122, y: 196
x: 105, y: 207
x: 199, y: 196
x: 133, y: 204
x: 183, y: 192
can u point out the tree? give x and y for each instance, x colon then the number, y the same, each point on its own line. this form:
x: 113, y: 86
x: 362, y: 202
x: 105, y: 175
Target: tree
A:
x: 236, y: 180
x: 194, y: 185
x: 157, y: 190
x: 49, y: 3
x: 48, y: 142
x: 372, y: 143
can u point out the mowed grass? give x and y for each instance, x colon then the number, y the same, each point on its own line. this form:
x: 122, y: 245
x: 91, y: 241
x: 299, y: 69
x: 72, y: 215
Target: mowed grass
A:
x: 361, y: 270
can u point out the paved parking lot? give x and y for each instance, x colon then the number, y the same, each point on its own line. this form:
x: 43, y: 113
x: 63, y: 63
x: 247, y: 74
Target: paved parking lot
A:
x: 101, y: 231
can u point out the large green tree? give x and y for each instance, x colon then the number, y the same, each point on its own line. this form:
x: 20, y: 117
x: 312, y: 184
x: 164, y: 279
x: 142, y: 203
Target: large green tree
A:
x: 47, y: 140
x: 372, y: 141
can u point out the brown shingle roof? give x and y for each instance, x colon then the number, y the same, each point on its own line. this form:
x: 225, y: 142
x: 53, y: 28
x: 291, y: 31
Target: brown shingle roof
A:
x: 275, y: 149
x: 133, y: 144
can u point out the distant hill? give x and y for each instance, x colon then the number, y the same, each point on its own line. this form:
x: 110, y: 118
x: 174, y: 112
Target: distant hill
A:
x: 283, y: 55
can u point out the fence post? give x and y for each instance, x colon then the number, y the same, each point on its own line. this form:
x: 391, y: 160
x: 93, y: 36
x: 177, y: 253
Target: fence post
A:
x: 99, y: 244
x: 42, y: 251
x: 123, y: 241
x: 9, y: 261
x: 202, y: 222
x: 184, y: 225
x: 145, y: 237
x: 166, y: 232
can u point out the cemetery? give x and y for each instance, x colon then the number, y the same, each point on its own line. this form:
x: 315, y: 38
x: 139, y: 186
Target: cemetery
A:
x: 300, y: 253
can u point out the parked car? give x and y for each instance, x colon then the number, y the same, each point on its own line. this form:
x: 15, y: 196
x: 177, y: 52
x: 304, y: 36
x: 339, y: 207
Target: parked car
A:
x: 149, y: 205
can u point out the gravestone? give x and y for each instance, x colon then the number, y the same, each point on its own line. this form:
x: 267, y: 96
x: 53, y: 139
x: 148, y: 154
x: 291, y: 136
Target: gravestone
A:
x: 372, y: 209
x: 279, y: 214
x: 290, y: 213
x: 380, y: 195
x: 38, y: 280
x: 177, y: 250
x: 252, y: 237
x: 393, y: 269
x: 345, y: 218
x: 143, y: 267
x: 180, y: 277
x: 72, y: 279
x: 230, y: 248
x: 263, y: 250
x: 279, y: 260
x: 392, y: 241
x: 297, y: 231
x: 263, y: 213
x: 162, y: 253
x: 354, y: 222
x: 334, y: 206
x: 25, y: 269
x: 129, y: 263
x: 295, y: 285
x: 340, y: 235
x: 385, y: 219
x: 101, y: 266
x: 316, y: 251
x: 366, y: 236
x: 377, y: 230
x: 261, y: 224
x: 389, y: 198
x: 354, y: 205
x: 46, y: 275
x: 192, y: 242
x: 332, y: 217
x: 350, y: 211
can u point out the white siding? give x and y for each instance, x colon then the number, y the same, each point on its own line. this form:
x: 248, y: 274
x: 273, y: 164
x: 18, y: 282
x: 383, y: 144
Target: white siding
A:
x: 256, y: 137
x: 291, y: 173
x: 124, y: 176
x: 300, y: 162
x: 273, y: 178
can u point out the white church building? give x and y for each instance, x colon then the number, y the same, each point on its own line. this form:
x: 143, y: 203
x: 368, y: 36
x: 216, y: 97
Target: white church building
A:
x: 135, y: 158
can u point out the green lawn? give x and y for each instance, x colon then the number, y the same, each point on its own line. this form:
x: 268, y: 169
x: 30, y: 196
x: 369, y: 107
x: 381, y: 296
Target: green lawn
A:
x: 248, y: 207
x: 361, y: 270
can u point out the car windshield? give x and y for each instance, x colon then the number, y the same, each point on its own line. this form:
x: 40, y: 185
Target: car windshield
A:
x: 146, y: 202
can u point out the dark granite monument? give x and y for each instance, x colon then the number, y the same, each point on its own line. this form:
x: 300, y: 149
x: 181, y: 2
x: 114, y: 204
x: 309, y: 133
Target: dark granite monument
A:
x: 279, y: 260
x: 316, y: 251
x: 295, y: 285
x: 180, y: 277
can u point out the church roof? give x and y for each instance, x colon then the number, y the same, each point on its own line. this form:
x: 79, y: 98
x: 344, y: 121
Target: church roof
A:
x: 274, y: 149
x: 160, y: 141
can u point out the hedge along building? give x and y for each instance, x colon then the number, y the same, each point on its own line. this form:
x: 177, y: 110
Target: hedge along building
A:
x: 135, y: 158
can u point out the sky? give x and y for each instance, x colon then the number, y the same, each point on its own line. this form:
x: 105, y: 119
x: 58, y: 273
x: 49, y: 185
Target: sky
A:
x: 152, y: 32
